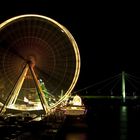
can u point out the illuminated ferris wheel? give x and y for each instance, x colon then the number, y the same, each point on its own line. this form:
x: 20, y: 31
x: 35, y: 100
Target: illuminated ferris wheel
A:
x: 39, y: 63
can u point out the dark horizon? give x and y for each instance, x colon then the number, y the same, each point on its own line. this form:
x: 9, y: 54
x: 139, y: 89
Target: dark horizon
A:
x: 106, y: 34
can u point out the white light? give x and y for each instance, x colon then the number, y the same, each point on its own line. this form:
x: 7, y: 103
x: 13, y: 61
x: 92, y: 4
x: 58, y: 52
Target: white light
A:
x: 77, y: 100
x: 26, y: 100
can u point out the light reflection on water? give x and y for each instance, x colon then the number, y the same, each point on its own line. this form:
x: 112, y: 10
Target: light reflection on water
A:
x: 123, y: 122
x: 76, y: 136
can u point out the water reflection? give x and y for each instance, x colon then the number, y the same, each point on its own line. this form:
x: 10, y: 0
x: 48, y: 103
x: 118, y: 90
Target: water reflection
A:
x: 75, y: 128
x: 123, y: 122
x: 76, y: 136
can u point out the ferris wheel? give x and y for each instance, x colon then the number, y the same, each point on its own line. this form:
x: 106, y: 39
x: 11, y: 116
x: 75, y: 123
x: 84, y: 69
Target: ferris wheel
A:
x: 39, y: 60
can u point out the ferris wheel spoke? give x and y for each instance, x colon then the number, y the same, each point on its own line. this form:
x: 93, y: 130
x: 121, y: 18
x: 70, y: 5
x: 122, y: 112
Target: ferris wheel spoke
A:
x: 14, y: 52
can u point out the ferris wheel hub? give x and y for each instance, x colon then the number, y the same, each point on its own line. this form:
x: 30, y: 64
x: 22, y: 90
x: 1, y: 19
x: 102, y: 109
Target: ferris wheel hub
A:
x: 31, y: 61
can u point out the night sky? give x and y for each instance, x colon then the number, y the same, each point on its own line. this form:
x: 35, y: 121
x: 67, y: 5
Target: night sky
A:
x: 107, y: 33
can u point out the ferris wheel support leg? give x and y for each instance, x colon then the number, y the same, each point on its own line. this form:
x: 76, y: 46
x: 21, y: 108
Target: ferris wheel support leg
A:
x: 40, y: 92
x: 18, y: 86
x: 11, y: 99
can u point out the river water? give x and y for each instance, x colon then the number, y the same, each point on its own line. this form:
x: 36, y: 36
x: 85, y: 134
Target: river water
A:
x: 109, y: 122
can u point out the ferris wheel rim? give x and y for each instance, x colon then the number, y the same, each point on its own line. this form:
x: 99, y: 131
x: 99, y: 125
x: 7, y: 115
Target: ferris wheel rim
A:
x: 71, y: 39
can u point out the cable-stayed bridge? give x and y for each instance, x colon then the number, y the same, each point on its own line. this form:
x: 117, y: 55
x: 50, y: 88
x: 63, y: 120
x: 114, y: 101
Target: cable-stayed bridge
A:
x: 122, y: 86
